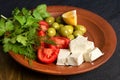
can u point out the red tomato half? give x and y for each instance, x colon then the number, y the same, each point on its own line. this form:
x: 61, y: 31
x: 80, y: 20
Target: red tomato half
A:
x: 47, y: 55
x: 61, y: 42
x: 43, y: 25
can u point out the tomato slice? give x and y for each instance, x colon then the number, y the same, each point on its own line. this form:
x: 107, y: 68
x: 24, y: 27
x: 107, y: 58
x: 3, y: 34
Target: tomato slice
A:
x: 43, y: 25
x: 61, y: 42
x: 47, y: 55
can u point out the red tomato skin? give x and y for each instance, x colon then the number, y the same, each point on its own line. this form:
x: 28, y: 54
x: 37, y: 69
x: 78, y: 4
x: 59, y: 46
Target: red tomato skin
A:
x: 47, y: 55
x: 41, y: 33
x: 43, y: 25
x: 42, y: 44
x: 52, y: 46
x: 61, y: 42
x: 67, y: 41
x: 42, y: 22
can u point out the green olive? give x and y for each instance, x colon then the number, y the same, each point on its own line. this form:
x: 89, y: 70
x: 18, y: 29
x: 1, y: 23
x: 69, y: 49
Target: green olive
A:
x: 77, y: 33
x: 69, y: 28
x: 56, y: 25
x: 70, y: 37
x: 80, y: 27
x: 51, y: 32
x: 59, y: 19
x: 61, y: 25
x: 64, y: 31
x: 50, y: 20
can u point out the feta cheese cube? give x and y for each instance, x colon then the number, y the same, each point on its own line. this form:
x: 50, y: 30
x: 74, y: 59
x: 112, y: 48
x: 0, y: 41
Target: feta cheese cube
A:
x: 89, y: 46
x: 75, y: 59
x: 80, y: 45
x: 92, y: 55
x: 62, y: 56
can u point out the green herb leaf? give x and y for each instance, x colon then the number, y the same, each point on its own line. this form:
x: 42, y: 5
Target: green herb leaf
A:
x: 20, y: 19
x: 41, y: 8
x: 20, y: 31
x: 22, y: 39
x: 26, y: 12
x: 16, y: 11
x: 7, y: 47
x: 37, y: 15
x: 45, y: 15
x: 13, y: 40
x: 31, y: 20
x: 2, y: 26
x: 40, y: 12
x: 27, y: 51
x: 49, y: 42
x: 9, y: 26
x: 6, y: 40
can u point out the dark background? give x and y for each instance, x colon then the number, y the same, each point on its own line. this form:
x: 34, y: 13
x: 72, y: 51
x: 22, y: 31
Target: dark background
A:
x: 108, y: 9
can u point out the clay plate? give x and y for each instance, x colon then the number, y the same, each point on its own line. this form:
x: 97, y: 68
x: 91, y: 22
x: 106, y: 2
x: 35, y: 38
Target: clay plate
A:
x: 98, y: 30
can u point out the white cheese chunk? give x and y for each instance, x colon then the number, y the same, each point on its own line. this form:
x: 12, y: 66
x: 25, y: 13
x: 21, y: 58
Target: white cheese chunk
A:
x: 89, y: 46
x: 62, y: 56
x: 92, y: 55
x: 75, y: 59
x: 80, y: 50
x: 80, y: 45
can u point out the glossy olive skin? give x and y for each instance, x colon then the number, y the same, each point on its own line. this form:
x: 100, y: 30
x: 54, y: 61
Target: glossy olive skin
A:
x: 66, y: 30
x: 59, y: 20
x: 71, y: 36
x: 81, y: 27
x: 56, y: 25
x: 51, y: 32
x: 50, y: 20
x: 77, y: 33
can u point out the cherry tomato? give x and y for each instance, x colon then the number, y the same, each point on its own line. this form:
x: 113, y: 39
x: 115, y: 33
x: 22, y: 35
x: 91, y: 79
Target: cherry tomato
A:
x: 43, y: 25
x: 61, y: 42
x: 47, y: 55
x: 41, y: 33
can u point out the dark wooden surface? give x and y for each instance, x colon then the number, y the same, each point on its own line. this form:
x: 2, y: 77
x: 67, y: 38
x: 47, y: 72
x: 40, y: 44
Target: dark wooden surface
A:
x: 108, y: 9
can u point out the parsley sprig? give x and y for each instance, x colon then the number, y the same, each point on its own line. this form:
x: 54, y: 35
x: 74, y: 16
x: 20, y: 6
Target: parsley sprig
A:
x: 19, y: 33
